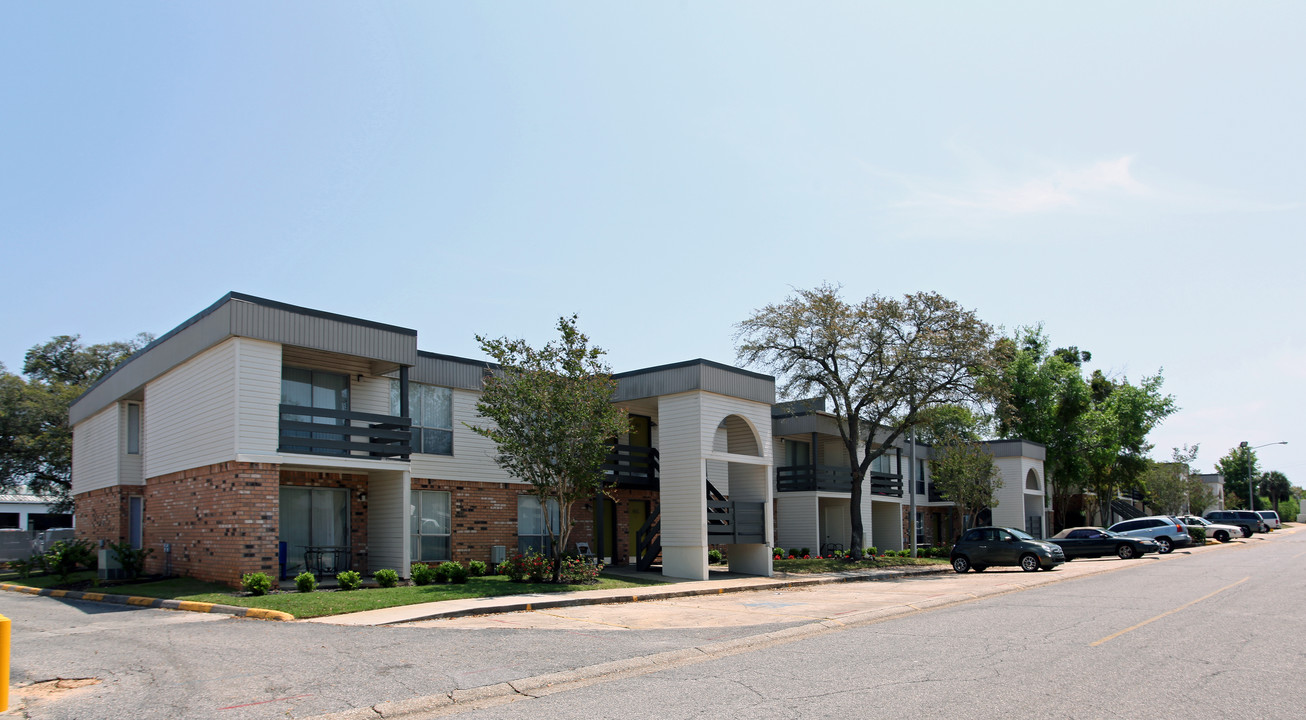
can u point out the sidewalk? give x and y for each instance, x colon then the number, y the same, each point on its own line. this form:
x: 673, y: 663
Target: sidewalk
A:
x: 685, y: 588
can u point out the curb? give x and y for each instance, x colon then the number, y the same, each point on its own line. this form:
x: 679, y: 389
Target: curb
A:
x: 149, y: 602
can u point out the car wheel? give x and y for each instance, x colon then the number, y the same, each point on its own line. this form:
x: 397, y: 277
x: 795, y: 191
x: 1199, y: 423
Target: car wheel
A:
x: 960, y: 564
x: 1247, y: 532
x: 979, y: 568
x: 1125, y: 552
x: 1222, y: 536
x: 1164, y: 545
x: 1028, y: 563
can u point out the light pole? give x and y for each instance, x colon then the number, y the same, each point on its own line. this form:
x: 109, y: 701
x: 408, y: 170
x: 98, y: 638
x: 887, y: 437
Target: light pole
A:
x: 1251, y: 491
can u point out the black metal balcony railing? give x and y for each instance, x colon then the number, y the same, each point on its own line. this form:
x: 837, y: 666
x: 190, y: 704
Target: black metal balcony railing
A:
x: 320, y: 431
x: 833, y: 478
x: 632, y: 466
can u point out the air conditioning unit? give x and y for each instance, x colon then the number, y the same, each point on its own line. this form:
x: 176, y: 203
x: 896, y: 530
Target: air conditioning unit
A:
x: 498, y: 553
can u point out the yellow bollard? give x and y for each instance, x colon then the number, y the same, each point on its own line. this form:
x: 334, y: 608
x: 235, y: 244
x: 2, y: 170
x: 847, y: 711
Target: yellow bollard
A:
x: 4, y: 663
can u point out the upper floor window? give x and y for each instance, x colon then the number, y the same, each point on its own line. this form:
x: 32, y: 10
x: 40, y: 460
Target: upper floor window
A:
x: 797, y: 453
x: 431, y: 409
x: 133, y: 429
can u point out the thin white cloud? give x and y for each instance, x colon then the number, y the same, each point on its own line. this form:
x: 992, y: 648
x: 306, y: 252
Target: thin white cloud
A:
x: 1057, y: 190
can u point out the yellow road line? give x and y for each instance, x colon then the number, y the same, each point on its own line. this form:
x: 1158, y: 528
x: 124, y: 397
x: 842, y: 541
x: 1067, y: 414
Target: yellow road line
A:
x: 1113, y: 636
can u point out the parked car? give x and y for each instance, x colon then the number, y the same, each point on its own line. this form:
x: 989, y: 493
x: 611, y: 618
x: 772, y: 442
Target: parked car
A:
x: 1271, y: 519
x: 1217, y: 531
x: 1249, y: 521
x: 1168, y: 532
x: 1092, y: 542
x: 46, y: 539
x: 979, y: 548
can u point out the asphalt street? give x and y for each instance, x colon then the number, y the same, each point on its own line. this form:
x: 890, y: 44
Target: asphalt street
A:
x: 1222, y: 628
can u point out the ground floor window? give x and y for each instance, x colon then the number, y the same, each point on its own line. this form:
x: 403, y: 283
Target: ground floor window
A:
x: 532, y: 535
x: 430, y: 525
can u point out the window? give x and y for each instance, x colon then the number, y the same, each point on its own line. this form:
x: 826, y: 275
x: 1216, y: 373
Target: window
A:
x: 532, y: 535
x: 430, y: 525
x: 797, y: 453
x: 133, y: 429
x: 883, y: 464
x: 920, y: 477
x: 431, y: 409
x: 314, y: 389
x: 920, y: 528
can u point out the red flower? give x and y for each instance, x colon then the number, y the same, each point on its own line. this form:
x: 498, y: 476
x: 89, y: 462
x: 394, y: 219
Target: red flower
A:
x: 791, y: 557
x: 807, y: 557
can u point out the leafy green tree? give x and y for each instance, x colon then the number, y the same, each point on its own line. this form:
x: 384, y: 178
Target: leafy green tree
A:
x: 1121, y: 418
x: 1275, y: 486
x: 1043, y: 397
x: 961, y: 468
x: 881, y: 362
x: 1173, y: 487
x: 35, y: 438
x: 553, y: 420
x: 1234, y: 467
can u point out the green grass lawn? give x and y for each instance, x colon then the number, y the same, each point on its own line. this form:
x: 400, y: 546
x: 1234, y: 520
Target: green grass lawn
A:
x: 821, y: 565
x: 316, y: 604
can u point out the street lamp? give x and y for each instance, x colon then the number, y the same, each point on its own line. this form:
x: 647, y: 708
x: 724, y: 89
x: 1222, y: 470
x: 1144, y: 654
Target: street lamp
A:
x: 1251, y: 491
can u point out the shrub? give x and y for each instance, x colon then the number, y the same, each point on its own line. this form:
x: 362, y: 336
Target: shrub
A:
x: 526, y: 568
x: 476, y: 568
x: 714, y: 556
x: 805, y: 552
x: 24, y: 568
x: 64, y: 557
x: 256, y: 583
x: 1197, y: 533
x: 453, y: 571
x: 507, y: 568
x: 780, y: 552
x: 349, y: 580
x: 131, y: 559
x: 422, y: 574
x: 871, y: 551
x: 306, y: 582
x: 576, y: 571
x: 386, y: 578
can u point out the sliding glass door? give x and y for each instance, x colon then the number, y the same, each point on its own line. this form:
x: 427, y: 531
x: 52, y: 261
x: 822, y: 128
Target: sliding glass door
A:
x: 314, y: 522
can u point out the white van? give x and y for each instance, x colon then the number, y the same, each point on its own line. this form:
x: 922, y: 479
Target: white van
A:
x: 1271, y: 519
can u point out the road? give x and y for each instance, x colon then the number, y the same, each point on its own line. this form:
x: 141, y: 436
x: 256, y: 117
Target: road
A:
x: 1222, y: 629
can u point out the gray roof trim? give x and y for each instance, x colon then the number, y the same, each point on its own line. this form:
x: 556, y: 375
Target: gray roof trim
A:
x: 449, y: 371
x: 1016, y: 448
x: 240, y: 315
x: 690, y: 375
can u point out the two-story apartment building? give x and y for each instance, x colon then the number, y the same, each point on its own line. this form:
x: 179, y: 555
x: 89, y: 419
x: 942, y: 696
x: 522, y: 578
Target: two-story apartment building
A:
x: 264, y: 437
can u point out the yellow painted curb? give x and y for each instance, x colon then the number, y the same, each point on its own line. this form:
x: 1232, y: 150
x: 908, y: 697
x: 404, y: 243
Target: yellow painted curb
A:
x: 58, y: 593
x: 264, y: 614
x: 92, y: 596
x: 138, y: 600
x: 193, y: 606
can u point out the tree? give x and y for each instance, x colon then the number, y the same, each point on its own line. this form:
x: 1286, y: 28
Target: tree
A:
x: 961, y: 469
x: 1043, y: 397
x: 881, y: 362
x: 1173, y: 487
x: 1235, y: 467
x: 1275, y: 486
x: 553, y: 421
x: 1121, y: 418
x: 35, y: 438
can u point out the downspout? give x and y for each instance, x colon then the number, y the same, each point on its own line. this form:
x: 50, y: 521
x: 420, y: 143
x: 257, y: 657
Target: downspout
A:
x: 911, y: 438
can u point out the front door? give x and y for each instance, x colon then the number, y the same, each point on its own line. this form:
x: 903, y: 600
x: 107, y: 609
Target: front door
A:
x: 609, y: 530
x: 636, y: 516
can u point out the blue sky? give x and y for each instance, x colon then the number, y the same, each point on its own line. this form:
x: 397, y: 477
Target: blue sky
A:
x: 1128, y: 174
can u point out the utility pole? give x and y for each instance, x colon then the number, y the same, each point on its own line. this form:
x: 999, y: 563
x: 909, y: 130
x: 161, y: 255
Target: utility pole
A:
x: 911, y: 438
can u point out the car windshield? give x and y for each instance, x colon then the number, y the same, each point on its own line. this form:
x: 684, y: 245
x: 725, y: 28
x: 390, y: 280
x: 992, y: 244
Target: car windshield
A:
x: 1020, y: 535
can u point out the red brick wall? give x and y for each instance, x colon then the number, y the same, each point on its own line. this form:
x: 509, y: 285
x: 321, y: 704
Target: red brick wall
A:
x: 102, y: 514
x: 221, y: 521
x: 485, y: 514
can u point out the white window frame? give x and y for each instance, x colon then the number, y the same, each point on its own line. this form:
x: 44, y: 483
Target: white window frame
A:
x: 419, y: 528
x: 422, y: 424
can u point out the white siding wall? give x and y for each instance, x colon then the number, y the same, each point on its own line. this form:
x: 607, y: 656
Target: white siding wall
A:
x: 473, y: 455
x: 1010, y: 511
x: 684, y: 502
x: 258, y: 382
x: 388, y: 497
x: 131, y: 468
x: 886, y: 531
x: 190, y: 417
x: 95, y: 451
x: 798, y: 523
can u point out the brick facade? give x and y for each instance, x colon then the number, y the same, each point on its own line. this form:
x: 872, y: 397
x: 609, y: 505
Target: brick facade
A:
x: 102, y: 514
x: 940, y: 524
x: 220, y: 521
x: 485, y: 515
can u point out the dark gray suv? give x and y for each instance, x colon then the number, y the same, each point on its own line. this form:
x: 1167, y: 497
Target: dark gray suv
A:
x: 981, y: 547
x: 1250, y: 522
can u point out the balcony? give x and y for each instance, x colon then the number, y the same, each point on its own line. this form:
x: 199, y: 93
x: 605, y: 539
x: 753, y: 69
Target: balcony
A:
x: 343, y: 432
x: 632, y: 466
x: 833, y: 478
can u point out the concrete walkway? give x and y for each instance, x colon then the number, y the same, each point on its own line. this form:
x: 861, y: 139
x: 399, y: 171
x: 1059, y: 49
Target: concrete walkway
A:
x: 727, y: 583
